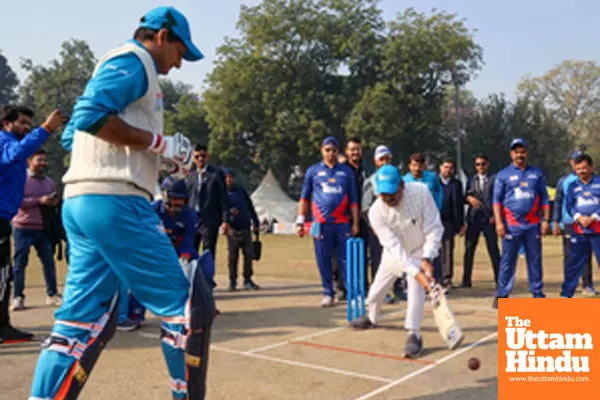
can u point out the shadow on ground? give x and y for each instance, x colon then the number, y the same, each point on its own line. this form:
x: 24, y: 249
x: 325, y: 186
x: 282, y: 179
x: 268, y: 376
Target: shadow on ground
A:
x: 487, y: 392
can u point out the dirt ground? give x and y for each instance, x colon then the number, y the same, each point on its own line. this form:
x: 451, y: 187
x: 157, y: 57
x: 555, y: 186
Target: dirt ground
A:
x: 277, y: 343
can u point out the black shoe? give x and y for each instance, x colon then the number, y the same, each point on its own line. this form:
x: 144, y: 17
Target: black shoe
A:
x: 250, y: 285
x: 10, y: 333
x: 342, y: 295
x: 129, y: 326
x: 466, y: 285
x: 232, y: 286
x: 362, y: 323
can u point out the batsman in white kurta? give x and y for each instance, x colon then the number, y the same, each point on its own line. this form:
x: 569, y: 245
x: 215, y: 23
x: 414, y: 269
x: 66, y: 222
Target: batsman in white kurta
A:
x: 409, y: 232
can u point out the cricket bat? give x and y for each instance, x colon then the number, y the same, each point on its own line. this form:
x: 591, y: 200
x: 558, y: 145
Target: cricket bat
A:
x: 446, y: 321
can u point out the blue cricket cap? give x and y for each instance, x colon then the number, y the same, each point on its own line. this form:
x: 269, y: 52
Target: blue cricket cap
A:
x: 173, y: 20
x: 227, y: 171
x: 387, y: 179
x: 330, y: 140
x: 518, y: 142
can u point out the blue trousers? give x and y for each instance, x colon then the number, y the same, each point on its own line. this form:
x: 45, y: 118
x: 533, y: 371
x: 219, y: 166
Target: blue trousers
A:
x: 114, y: 240
x: 23, y: 240
x: 530, y: 239
x: 580, y: 249
x: 330, y: 238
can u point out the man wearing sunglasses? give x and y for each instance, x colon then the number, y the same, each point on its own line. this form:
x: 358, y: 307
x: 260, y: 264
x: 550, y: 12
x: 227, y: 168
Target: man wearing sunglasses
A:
x: 330, y: 188
x: 117, y: 147
x: 480, y: 219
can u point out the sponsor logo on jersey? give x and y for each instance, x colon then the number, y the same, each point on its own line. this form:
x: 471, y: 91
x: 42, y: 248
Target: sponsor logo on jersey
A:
x: 522, y: 194
x: 322, y: 173
x: 532, y: 176
x: 329, y: 189
x: 331, y: 180
x: 340, y: 173
x: 513, y: 178
x: 524, y: 184
x: 583, y: 202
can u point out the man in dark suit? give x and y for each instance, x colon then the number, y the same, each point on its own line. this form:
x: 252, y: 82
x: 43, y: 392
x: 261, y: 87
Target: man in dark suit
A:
x: 480, y: 218
x: 208, y: 197
x: 452, y: 214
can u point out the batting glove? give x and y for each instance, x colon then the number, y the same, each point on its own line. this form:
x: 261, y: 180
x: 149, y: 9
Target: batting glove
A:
x: 177, y: 148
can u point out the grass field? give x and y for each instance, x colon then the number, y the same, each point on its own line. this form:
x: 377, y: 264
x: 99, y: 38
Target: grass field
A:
x: 277, y: 343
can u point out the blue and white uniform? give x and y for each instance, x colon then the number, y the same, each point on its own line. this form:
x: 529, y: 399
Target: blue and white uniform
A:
x: 331, y: 193
x: 523, y: 195
x: 582, y: 199
x: 115, y: 237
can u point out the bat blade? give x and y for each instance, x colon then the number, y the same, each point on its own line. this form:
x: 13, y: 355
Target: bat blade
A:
x: 446, y: 322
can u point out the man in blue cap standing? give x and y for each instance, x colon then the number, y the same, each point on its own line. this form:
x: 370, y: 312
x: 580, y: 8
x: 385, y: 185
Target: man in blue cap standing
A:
x: 563, y: 224
x: 522, y: 215
x: 117, y: 147
x: 405, y: 219
x: 330, y: 189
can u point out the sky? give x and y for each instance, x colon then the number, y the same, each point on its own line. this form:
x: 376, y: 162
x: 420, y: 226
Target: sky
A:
x: 518, y: 37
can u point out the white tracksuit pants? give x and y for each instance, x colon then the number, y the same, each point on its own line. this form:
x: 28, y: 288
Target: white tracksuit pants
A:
x: 385, y: 277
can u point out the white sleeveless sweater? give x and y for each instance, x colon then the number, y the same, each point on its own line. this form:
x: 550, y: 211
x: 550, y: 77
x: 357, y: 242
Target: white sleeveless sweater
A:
x: 99, y: 167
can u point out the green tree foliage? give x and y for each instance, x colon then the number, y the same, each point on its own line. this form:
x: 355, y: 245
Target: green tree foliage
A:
x: 305, y: 69
x: 495, y: 123
x: 8, y: 81
x: 57, y: 84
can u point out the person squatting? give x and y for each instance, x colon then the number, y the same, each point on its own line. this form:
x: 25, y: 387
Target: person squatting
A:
x: 114, y: 234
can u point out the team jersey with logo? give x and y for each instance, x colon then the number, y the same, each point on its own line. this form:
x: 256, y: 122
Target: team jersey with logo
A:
x: 584, y: 199
x: 522, y: 193
x: 331, y: 192
x: 181, y: 228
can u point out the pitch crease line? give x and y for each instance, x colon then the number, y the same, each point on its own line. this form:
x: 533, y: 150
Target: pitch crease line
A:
x: 427, y: 368
x: 302, y: 364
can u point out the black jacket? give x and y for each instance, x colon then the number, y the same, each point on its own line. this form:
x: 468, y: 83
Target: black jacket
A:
x: 487, y: 198
x: 210, y: 200
x: 453, y: 204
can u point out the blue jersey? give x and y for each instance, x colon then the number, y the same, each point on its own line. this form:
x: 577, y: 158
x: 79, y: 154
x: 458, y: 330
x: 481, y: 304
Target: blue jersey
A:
x: 432, y: 181
x: 13, y: 168
x: 117, y: 83
x: 522, y: 194
x: 331, y: 192
x: 584, y: 199
x: 181, y: 228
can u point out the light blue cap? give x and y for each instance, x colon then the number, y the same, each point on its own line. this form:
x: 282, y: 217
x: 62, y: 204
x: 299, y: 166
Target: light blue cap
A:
x: 172, y: 19
x: 387, y: 179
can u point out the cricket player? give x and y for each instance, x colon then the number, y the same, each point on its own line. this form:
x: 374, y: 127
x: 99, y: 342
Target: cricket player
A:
x: 520, y: 202
x: 408, y: 226
x: 330, y: 188
x: 116, y: 143
x: 583, y: 203
x: 563, y: 224
x: 180, y: 223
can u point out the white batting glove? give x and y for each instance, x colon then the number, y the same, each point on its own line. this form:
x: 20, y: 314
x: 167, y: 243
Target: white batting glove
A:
x: 174, y: 169
x: 177, y: 148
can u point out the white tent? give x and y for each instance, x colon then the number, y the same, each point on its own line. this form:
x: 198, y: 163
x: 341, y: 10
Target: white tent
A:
x: 270, y: 201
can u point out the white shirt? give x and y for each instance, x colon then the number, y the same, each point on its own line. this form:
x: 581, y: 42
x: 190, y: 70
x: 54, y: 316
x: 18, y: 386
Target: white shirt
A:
x: 410, y: 231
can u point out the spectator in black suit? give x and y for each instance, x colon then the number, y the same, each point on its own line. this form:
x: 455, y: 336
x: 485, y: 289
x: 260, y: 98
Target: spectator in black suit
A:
x: 208, y: 197
x: 480, y: 218
x: 452, y: 214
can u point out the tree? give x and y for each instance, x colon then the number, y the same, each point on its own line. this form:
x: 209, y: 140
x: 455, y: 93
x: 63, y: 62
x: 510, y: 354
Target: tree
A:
x: 305, y: 69
x: 172, y: 92
x: 8, y: 81
x: 571, y: 90
x: 57, y: 85
x: 495, y: 123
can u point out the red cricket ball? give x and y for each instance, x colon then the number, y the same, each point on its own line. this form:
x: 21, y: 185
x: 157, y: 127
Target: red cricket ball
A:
x: 474, y: 364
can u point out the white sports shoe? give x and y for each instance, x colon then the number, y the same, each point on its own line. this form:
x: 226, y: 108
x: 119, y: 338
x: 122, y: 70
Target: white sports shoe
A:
x: 327, y: 301
x: 55, y: 300
x: 18, y: 304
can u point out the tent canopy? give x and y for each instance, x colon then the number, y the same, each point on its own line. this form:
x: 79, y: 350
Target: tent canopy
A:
x: 270, y: 201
